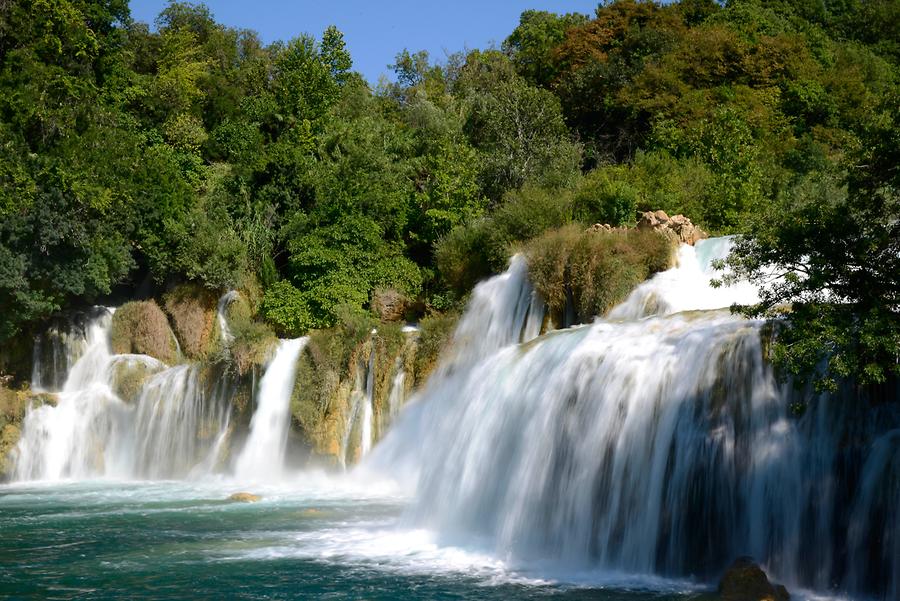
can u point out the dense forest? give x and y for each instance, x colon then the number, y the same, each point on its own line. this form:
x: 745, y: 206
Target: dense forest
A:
x: 135, y: 158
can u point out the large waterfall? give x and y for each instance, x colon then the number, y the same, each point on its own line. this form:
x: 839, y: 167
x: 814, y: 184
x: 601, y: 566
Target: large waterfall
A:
x: 263, y: 455
x: 656, y: 440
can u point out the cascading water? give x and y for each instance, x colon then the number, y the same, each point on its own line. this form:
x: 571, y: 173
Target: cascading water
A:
x: 221, y: 317
x: 263, y: 455
x: 657, y: 444
x: 91, y: 432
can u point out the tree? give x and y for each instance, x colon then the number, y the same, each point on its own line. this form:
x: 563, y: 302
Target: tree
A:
x: 834, y: 243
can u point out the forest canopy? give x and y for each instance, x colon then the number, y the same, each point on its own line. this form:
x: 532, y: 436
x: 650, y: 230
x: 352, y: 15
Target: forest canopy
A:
x: 133, y: 158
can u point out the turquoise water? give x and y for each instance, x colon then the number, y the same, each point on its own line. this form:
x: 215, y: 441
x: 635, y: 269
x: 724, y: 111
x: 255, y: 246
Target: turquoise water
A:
x: 316, y: 539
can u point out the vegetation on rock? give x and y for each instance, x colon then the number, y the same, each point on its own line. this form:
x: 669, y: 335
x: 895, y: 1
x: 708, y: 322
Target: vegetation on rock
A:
x: 141, y: 327
x: 581, y: 273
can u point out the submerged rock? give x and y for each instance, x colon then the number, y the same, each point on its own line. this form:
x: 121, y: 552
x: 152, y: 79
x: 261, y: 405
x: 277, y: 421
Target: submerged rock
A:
x: 244, y: 497
x: 746, y: 581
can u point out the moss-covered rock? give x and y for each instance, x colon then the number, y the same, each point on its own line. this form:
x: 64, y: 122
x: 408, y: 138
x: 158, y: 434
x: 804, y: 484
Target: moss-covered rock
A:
x: 141, y: 327
x: 14, y: 403
x: 253, y: 342
x: 435, y: 333
x: 192, y: 310
x: 130, y: 373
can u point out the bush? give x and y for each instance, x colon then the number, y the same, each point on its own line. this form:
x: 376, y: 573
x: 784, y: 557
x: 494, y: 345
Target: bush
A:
x: 475, y: 251
x: 581, y: 274
x: 603, y: 197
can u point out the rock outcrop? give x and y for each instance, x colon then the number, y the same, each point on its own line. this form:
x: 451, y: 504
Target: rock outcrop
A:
x: 193, y: 312
x: 746, y: 581
x: 679, y: 227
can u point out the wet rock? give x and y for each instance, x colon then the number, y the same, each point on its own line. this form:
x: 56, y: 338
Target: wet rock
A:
x: 130, y: 373
x: 744, y: 580
x: 244, y: 497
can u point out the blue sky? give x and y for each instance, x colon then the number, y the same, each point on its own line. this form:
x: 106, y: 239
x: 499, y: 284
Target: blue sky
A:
x: 376, y: 31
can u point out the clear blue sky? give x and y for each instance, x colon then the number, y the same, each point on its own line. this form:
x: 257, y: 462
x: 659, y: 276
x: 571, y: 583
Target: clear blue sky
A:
x: 376, y: 31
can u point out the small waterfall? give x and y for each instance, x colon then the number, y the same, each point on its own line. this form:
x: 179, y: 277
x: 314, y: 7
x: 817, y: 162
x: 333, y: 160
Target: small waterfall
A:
x: 368, y: 416
x: 225, y: 300
x: 688, y: 286
x: 659, y: 444
x: 58, y: 349
x: 397, y: 395
x: 66, y: 441
x: 176, y: 427
x: 172, y: 427
x: 262, y: 457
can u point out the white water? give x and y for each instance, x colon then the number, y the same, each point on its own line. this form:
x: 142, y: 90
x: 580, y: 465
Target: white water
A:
x: 653, y: 445
x: 687, y: 286
x: 221, y: 315
x: 263, y: 455
x: 171, y: 429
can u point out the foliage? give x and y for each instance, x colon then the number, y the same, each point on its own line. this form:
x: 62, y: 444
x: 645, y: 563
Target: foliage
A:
x: 135, y: 159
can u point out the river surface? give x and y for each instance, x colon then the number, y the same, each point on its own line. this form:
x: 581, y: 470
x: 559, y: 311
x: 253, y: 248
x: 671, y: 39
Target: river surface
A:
x: 319, y: 538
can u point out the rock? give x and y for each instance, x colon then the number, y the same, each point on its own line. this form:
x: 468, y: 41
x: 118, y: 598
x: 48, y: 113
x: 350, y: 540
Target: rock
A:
x: 129, y: 373
x: 389, y: 304
x: 746, y: 581
x: 193, y: 312
x: 244, y: 497
x: 679, y: 227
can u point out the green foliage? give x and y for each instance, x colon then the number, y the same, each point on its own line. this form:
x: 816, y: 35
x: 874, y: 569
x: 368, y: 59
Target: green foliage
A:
x: 835, y: 243
x: 531, y: 44
x: 474, y: 251
x: 604, y: 197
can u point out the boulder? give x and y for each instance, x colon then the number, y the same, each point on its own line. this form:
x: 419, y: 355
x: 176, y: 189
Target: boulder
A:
x: 746, y: 581
x: 129, y: 373
x: 244, y: 497
x: 389, y: 304
x: 678, y: 227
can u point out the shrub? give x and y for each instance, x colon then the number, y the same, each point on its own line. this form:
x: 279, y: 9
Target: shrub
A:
x: 586, y: 273
x: 475, y: 251
x: 604, y: 197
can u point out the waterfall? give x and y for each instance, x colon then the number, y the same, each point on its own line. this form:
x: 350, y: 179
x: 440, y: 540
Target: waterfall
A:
x: 262, y: 457
x: 397, y: 394
x: 221, y: 308
x: 66, y: 441
x: 173, y: 426
x: 654, y: 441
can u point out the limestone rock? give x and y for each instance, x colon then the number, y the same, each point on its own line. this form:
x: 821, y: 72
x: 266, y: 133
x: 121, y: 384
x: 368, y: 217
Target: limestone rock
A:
x: 746, y: 581
x: 678, y: 227
x: 244, y: 497
x: 389, y: 304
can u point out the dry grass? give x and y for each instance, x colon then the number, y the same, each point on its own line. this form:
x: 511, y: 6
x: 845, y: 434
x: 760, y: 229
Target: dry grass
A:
x: 141, y: 327
x: 592, y: 271
x: 193, y: 312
